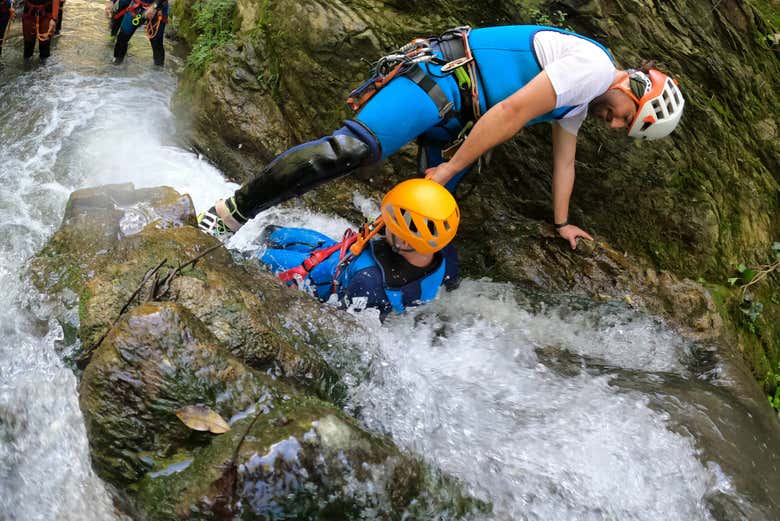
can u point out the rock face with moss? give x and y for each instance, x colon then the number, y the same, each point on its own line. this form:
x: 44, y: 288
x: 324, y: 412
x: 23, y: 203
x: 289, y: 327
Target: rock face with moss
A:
x: 168, y: 322
x: 268, y: 74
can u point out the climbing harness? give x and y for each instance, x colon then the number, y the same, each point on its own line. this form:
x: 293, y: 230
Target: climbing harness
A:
x: 137, y: 7
x: 404, y: 61
x: 388, y: 67
x: 351, y: 245
x: 457, y: 51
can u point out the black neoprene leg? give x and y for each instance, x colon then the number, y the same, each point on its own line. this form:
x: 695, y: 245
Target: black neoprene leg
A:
x: 59, y: 19
x: 300, y: 169
x: 115, y: 25
x: 44, y: 49
x: 122, y: 41
x: 29, y: 48
x: 158, y: 50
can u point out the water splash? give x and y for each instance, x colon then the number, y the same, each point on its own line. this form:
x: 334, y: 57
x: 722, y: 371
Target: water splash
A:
x: 465, y: 383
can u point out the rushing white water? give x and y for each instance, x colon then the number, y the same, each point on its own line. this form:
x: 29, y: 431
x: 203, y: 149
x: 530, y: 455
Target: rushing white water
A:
x: 75, y: 122
x: 520, y: 403
x: 470, y: 392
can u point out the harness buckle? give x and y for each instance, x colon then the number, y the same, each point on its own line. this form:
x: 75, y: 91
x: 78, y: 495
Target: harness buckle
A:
x: 454, y: 64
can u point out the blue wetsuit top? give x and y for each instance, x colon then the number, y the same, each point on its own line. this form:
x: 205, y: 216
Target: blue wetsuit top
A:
x: 367, y: 277
x: 507, y: 61
x: 373, y: 275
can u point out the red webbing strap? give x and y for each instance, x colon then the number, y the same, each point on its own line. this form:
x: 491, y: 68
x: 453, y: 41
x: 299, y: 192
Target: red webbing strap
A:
x: 350, y: 246
x: 131, y: 7
x: 315, y: 258
x: 357, y: 99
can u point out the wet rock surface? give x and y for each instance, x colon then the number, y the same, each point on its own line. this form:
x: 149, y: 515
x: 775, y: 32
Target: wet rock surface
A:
x: 158, y: 334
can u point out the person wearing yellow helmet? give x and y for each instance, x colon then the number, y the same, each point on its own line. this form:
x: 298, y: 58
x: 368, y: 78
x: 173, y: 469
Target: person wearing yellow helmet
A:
x: 404, y: 268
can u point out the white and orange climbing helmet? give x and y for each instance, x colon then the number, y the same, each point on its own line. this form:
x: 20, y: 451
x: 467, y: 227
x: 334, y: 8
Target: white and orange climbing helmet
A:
x: 659, y: 107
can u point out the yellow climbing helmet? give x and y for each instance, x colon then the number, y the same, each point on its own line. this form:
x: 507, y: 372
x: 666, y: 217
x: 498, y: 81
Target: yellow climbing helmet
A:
x: 423, y: 213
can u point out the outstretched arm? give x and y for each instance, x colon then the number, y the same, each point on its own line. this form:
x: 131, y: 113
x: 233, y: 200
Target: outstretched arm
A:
x: 564, y: 150
x: 498, y: 124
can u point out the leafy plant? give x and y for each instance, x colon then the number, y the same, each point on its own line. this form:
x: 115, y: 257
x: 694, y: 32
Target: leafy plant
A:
x: 750, y: 277
x: 774, y: 400
x: 554, y: 19
x: 214, y: 24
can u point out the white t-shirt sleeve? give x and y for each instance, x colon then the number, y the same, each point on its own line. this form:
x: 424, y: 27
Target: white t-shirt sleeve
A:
x: 578, y: 70
x: 577, y: 79
x: 573, y: 120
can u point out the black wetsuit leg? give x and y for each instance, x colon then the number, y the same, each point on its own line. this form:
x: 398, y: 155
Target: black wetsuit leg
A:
x: 299, y: 170
x: 158, y: 49
x: 122, y: 41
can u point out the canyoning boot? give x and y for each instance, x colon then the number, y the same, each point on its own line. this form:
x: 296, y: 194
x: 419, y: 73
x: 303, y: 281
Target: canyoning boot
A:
x: 221, y: 220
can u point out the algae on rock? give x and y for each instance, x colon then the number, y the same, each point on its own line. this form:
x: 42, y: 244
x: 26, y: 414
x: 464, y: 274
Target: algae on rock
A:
x: 230, y: 337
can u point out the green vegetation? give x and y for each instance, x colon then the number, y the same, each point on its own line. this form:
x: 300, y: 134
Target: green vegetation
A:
x: 555, y: 18
x: 774, y: 399
x: 213, y: 22
x: 752, y: 309
x: 750, y: 277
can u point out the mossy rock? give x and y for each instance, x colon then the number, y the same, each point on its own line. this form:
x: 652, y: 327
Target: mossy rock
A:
x: 285, y: 452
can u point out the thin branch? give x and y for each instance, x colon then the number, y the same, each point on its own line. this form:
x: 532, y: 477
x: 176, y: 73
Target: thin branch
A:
x: 83, y: 359
x: 761, y: 275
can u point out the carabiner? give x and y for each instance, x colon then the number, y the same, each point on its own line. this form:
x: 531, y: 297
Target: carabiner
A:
x: 137, y: 19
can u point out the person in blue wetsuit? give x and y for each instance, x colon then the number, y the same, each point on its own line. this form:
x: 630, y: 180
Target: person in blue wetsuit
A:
x: 493, y: 81
x: 131, y: 14
x: 404, y: 268
x: 6, y: 15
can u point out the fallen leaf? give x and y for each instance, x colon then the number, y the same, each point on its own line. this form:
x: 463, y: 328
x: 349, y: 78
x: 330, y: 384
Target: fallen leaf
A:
x: 202, y: 418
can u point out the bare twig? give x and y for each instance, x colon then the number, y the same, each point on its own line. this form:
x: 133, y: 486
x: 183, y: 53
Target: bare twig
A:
x: 138, y: 290
x: 83, y: 359
x: 161, y: 289
x: 760, y: 275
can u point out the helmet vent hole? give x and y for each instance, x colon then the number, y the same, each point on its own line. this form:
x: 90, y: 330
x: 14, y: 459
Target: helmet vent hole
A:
x: 392, y: 215
x: 659, y: 111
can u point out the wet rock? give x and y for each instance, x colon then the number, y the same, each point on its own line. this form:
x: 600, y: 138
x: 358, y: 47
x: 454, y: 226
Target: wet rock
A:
x: 690, y: 300
x: 285, y: 452
x: 93, y: 256
x: 158, y: 334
